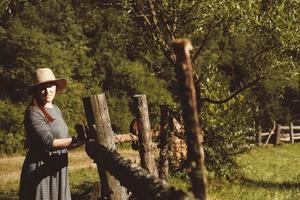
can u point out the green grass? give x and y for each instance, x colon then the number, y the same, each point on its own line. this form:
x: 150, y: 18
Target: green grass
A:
x: 271, y: 173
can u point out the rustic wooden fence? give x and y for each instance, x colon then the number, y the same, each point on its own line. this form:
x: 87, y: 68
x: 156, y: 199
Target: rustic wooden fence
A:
x: 279, y: 134
x: 117, y: 174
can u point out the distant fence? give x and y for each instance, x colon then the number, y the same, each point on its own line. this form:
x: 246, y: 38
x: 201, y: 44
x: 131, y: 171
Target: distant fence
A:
x: 279, y: 134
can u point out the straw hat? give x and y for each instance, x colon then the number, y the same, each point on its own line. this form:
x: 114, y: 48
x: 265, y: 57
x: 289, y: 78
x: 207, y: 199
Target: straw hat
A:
x: 45, y: 75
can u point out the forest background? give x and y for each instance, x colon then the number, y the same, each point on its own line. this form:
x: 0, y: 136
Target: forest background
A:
x: 246, y: 61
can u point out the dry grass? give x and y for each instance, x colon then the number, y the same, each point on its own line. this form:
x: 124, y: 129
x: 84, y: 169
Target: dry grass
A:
x: 10, y: 167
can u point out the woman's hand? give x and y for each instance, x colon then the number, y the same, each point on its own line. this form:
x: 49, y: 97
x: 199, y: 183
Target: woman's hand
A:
x: 81, y: 132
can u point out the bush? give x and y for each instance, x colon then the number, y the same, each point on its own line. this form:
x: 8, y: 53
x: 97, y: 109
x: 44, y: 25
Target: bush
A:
x: 11, y: 127
x: 225, y: 129
x: 11, y: 143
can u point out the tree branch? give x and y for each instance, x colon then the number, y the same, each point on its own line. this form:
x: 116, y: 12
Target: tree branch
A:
x: 211, y: 66
x: 153, y: 27
x: 158, y: 69
x: 248, y: 85
x: 204, y: 40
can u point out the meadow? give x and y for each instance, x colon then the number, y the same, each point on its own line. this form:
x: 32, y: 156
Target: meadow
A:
x: 269, y: 173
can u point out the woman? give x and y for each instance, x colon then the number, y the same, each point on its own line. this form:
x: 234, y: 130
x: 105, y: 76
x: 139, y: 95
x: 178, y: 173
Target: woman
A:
x: 44, y: 173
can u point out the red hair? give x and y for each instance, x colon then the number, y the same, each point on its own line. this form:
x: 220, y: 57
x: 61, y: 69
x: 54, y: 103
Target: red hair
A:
x: 36, y: 101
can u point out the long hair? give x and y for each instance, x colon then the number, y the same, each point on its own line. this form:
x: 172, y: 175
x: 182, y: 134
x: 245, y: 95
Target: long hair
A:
x: 36, y: 101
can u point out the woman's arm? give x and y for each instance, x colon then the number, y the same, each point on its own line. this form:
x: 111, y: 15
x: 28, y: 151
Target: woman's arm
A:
x: 69, y: 143
x: 41, y: 132
x: 62, y: 143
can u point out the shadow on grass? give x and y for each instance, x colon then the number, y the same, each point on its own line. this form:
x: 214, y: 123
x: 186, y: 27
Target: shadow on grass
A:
x: 11, y: 195
x: 266, y: 184
x: 84, y: 191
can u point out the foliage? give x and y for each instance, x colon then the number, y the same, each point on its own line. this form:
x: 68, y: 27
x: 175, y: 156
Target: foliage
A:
x: 129, y: 79
x: 11, y: 128
x: 81, y: 43
x: 225, y: 136
x: 239, y: 46
x: 245, y: 58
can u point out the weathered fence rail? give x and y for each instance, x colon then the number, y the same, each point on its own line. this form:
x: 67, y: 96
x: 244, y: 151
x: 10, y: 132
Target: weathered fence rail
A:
x: 139, y: 181
x: 288, y: 133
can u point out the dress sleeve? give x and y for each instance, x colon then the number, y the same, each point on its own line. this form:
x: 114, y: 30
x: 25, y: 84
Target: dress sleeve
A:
x: 40, y: 130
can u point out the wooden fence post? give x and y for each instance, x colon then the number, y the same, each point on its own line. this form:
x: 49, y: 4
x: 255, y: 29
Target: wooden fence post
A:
x: 277, y: 134
x: 96, y: 112
x: 186, y: 86
x: 164, y: 138
x: 291, y: 133
x: 144, y: 134
x: 259, y: 137
x: 139, y: 181
x: 173, y: 164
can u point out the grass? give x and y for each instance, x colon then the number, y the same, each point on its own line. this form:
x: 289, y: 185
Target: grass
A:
x: 270, y: 173
x: 82, y: 174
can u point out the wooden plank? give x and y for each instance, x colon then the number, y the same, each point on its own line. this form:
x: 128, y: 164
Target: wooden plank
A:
x: 285, y: 139
x: 285, y: 135
x: 271, y: 133
x: 296, y: 136
x: 285, y: 128
x: 269, y: 137
x: 265, y: 134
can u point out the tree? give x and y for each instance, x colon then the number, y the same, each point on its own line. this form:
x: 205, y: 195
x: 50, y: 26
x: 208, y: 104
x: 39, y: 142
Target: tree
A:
x: 239, y: 46
x: 79, y: 42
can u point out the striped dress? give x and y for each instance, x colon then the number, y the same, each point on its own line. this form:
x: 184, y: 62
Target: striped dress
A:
x: 44, y: 173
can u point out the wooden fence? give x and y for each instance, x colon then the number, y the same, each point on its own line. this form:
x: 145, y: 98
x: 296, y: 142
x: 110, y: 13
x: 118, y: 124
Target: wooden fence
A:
x: 117, y: 174
x: 279, y: 134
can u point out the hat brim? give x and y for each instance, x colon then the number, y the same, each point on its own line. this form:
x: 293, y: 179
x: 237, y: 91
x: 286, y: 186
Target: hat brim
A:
x: 60, y: 84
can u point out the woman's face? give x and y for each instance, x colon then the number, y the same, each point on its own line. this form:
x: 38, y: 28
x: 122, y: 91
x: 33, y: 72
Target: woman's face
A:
x: 46, y: 92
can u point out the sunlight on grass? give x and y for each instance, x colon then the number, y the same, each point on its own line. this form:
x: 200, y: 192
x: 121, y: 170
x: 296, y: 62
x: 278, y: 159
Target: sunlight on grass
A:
x: 270, y: 173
